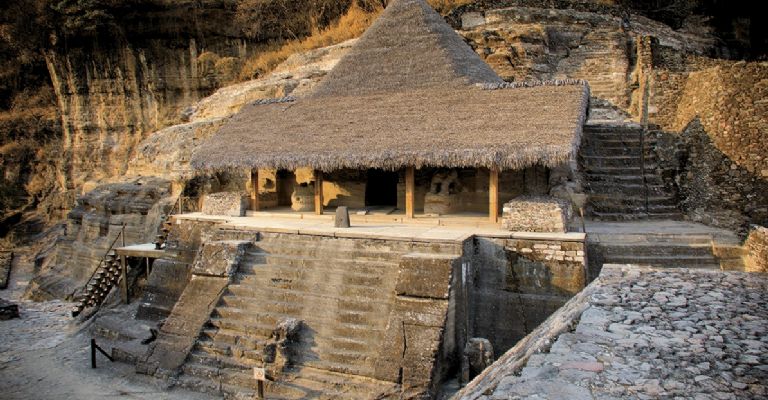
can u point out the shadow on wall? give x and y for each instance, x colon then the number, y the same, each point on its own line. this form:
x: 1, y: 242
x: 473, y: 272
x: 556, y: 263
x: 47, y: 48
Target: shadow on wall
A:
x: 515, y: 288
x: 713, y: 189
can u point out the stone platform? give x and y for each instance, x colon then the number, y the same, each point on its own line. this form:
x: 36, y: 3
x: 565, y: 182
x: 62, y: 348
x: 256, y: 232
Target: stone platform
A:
x: 388, y: 227
x: 645, y: 333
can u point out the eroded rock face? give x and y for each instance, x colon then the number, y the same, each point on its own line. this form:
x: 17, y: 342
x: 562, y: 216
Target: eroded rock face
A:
x: 167, y: 151
x: 93, y: 225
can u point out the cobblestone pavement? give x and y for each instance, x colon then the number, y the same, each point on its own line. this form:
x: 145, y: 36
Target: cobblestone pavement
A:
x: 657, y: 334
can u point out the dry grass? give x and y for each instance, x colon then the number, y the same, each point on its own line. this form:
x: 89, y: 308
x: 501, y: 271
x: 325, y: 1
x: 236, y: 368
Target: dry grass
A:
x: 445, y: 6
x: 351, y: 25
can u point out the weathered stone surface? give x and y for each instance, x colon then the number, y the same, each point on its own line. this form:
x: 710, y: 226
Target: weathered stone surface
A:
x: 517, y: 284
x: 425, y: 275
x: 181, y: 328
x: 641, y: 336
x: 220, y: 258
x: 93, y: 225
x: 6, y: 260
x: 303, y: 198
x: 164, y: 286
x: 342, y: 217
x: 477, y: 356
x: 757, y: 247
x: 536, y: 214
x: 231, y: 204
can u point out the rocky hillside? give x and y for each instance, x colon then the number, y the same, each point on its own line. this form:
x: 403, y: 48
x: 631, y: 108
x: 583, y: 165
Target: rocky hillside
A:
x: 99, y: 93
x: 83, y: 82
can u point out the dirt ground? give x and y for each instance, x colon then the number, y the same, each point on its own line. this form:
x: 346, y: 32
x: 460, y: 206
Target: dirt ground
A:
x: 45, y: 355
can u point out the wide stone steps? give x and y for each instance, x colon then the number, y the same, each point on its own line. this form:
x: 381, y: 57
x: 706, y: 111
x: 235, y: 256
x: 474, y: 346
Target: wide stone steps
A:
x: 331, y: 329
x: 342, y: 291
x: 299, y: 267
x: 629, y: 189
x: 666, y: 261
x: 298, y: 383
x: 300, y: 292
x: 621, y: 170
x: 596, y: 162
x: 325, y: 253
x: 636, y: 215
x: 623, y: 180
x: 235, y: 309
x: 658, y: 249
x: 609, y: 149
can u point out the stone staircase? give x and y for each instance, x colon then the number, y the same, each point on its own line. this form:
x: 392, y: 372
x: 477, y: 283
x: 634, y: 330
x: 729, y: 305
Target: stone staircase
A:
x: 341, y: 289
x: 670, y: 250
x: 622, y: 177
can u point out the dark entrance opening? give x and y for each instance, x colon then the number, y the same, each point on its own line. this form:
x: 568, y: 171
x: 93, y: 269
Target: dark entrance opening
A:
x: 381, y: 188
x: 286, y: 180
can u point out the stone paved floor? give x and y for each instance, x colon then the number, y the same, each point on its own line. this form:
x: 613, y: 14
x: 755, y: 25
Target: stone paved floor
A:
x: 657, y: 334
x: 45, y: 355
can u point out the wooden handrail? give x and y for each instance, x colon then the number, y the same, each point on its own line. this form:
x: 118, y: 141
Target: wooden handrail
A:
x: 104, y: 257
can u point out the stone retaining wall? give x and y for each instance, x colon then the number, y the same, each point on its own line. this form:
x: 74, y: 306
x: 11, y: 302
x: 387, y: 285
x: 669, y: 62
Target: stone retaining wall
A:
x: 713, y: 114
x: 517, y: 284
x: 757, y: 246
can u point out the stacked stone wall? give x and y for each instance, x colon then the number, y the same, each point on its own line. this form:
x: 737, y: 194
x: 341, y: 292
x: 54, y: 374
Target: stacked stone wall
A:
x: 757, y: 248
x: 519, y: 283
x: 719, y: 109
x: 536, y: 214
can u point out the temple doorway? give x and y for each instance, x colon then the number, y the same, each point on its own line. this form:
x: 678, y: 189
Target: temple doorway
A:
x: 381, y: 188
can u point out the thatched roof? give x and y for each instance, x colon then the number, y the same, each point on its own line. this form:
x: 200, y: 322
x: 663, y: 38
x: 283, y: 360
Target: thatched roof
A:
x: 470, y: 127
x: 410, y: 92
x: 408, y: 46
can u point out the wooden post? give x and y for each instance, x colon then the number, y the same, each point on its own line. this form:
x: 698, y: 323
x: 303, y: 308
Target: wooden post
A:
x: 410, y: 183
x: 318, y: 192
x: 255, y: 189
x: 493, y: 193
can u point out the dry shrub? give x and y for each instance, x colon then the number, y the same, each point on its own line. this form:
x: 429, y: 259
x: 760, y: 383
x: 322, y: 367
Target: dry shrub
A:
x: 351, y: 25
x: 445, y: 6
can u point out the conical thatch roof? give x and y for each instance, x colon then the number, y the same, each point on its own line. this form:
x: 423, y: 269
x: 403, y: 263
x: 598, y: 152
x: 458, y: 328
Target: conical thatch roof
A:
x: 410, y: 93
x: 409, y: 46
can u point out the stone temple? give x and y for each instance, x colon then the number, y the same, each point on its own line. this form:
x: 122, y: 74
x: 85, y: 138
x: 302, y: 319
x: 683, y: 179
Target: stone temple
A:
x: 487, y: 255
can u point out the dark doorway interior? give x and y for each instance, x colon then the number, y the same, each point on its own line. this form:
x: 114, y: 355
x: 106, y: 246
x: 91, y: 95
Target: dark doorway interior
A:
x: 286, y: 180
x: 381, y: 188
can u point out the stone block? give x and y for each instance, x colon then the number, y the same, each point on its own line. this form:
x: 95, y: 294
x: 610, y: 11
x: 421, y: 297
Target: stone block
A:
x: 536, y: 214
x: 231, y: 204
x: 425, y: 275
x: 757, y: 248
x: 6, y: 258
x: 441, y: 204
x: 220, y: 258
x: 470, y: 20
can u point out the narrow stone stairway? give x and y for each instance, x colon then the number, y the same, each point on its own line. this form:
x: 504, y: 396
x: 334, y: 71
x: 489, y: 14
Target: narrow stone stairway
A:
x: 622, y: 177
x: 341, y: 289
